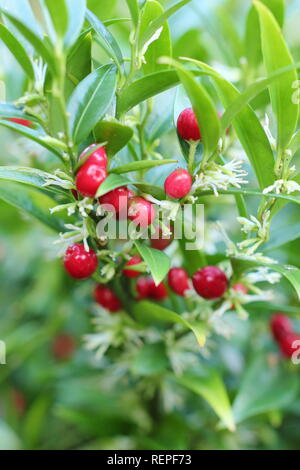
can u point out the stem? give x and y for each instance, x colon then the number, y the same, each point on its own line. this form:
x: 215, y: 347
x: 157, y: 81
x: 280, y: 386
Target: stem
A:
x: 192, y: 154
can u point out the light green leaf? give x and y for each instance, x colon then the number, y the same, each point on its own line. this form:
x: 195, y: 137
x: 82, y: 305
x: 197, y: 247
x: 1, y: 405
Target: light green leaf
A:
x: 149, y: 312
x: 134, y: 10
x: 210, y: 386
x: 76, y: 20
x: 9, y: 110
x: 160, y: 21
x: 90, y: 101
x: 146, y: 87
x: 17, y: 50
x: 112, y: 182
x: 34, y: 202
x: 115, y: 134
x: 162, y: 46
x: 157, y: 261
x: 107, y: 40
x: 59, y: 15
x: 282, y: 236
x: 203, y: 106
x: 264, y: 388
x: 79, y: 62
x: 276, y: 55
x: 154, y: 190
x: 140, y: 165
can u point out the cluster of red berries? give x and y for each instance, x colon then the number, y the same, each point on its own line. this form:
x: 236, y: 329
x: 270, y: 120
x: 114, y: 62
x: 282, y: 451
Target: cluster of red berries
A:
x: 284, y: 334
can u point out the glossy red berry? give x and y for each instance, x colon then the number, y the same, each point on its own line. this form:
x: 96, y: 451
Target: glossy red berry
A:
x: 157, y: 292
x: 141, y: 211
x: 159, y: 241
x: 22, y: 122
x: 178, y: 280
x: 63, y: 346
x: 129, y: 272
x: 80, y: 263
x: 289, y: 344
x: 210, y: 282
x: 187, y: 125
x: 280, y: 326
x: 143, y: 287
x: 105, y: 297
x: 178, y: 184
x: 98, y: 156
x: 89, y: 178
x: 118, y: 198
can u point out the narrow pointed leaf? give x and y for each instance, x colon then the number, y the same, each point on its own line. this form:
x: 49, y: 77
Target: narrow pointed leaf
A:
x: 157, y: 261
x: 17, y: 50
x: 140, y: 165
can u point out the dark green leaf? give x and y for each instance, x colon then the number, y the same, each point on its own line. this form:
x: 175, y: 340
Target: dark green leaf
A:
x: 115, y: 134
x: 150, y: 360
x: 140, y: 165
x: 90, y: 101
x: 112, y: 182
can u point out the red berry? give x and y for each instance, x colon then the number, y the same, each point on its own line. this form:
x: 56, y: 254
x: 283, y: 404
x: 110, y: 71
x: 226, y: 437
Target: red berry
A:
x: 187, y: 125
x: 280, y: 326
x: 143, y: 287
x: 98, y: 157
x: 178, y: 280
x: 158, y: 241
x: 105, y: 297
x: 239, y: 287
x: 80, y: 263
x: 89, y: 178
x: 178, y: 184
x: 22, y: 122
x: 210, y: 282
x: 129, y: 272
x: 63, y: 346
x: 288, y: 344
x: 141, y: 211
x: 118, y: 198
x: 157, y: 292
x: 75, y: 194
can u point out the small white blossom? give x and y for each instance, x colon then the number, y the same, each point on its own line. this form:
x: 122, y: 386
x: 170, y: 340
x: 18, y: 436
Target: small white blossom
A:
x: 61, y: 179
x: 283, y: 187
x: 169, y: 209
x: 263, y: 274
x: 220, y: 177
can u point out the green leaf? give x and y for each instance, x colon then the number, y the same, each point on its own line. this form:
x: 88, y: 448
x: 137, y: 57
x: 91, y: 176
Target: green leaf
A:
x: 152, y: 189
x: 252, y: 38
x: 31, y: 134
x: 264, y: 388
x: 248, y: 128
x: 134, y: 10
x: 76, y: 20
x: 33, y: 38
x: 31, y: 201
x: 8, y: 438
x: 160, y: 21
x: 203, y: 106
x: 151, y: 359
x: 157, y: 261
x: 17, y: 50
x: 140, y: 165
x: 162, y: 45
x: 276, y: 55
x: 112, y: 182
x: 59, y: 15
x: 282, y: 236
x: 79, y: 62
x: 90, y: 101
x: 210, y: 386
x: 30, y: 176
x: 149, y: 312
x: 146, y: 87
x: 115, y: 134
x: 107, y: 40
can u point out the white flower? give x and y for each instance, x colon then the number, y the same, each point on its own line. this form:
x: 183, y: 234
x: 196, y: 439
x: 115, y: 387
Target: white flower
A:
x: 76, y: 233
x: 283, y: 187
x: 61, y: 179
x: 220, y: 177
x: 169, y: 209
x: 263, y: 274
